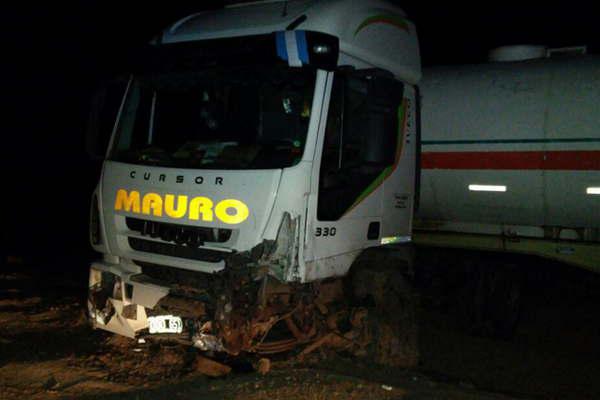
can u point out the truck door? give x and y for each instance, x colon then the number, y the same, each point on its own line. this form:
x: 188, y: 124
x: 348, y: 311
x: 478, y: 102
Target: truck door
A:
x: 357, y: 150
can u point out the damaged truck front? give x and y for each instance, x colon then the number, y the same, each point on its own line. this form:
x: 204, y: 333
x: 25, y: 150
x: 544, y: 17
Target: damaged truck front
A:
x: 258, y: 151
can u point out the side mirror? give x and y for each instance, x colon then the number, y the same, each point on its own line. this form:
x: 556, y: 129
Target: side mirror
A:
x: 104, y: 108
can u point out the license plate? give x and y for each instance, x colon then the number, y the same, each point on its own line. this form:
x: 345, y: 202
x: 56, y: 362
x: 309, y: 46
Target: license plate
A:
x: 165, y: 324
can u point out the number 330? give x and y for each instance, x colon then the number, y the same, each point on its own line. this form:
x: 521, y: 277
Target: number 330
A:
x: 327, y: 231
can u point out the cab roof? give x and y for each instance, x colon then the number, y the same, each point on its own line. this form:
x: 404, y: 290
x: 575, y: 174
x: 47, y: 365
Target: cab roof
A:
x: 372, y: 33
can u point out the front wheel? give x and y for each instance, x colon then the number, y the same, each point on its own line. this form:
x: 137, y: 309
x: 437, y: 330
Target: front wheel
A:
x: 380, y: 280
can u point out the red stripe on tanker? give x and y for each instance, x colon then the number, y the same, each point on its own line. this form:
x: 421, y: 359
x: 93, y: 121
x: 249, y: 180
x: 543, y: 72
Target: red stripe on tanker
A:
x: 513, y: 160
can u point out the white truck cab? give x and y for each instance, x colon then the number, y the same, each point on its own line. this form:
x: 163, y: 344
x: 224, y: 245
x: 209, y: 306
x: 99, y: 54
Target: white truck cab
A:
x: 258, y: 145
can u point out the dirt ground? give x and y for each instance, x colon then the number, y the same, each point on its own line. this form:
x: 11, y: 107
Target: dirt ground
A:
x: 554, y: 352
x: 48, y: 351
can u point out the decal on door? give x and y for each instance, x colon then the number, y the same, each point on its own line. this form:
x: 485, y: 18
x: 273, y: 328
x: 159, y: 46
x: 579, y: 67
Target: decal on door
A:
x: 401, y: 200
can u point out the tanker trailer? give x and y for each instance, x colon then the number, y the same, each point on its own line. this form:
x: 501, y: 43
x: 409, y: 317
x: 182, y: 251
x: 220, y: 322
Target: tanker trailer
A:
x: 262, y: 156
x: 511, y: 157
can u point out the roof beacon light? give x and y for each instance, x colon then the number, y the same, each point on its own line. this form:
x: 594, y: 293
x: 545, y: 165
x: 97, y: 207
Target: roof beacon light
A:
x: 487, y: 188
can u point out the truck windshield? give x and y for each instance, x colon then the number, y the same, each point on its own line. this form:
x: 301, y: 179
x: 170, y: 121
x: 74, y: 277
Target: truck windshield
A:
x: 245, y: 118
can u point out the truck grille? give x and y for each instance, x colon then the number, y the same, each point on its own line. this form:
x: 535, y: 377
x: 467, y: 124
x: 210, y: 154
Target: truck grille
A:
x: 181, y: 282
x: 191, y: 236
x: 174, y: 250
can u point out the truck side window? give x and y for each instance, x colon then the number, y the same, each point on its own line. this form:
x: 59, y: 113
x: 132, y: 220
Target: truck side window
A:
x: 360, y: 139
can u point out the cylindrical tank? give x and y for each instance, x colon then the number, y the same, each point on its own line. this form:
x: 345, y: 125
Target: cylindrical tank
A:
x: 512, y: 144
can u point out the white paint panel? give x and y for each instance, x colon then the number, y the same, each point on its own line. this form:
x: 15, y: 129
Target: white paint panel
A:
x: 480, y: 103
x: 398, y: 197
x: 255, y: 188
x: 546, y: 105
x: 379, y: 44
x: 445, y: 197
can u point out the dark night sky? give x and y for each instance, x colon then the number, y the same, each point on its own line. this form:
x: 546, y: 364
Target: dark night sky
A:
x: 55, y: 53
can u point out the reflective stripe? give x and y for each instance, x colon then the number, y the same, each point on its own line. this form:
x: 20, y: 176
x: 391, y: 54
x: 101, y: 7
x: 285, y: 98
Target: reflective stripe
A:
x: 487, y: 188
x: 593, y: 190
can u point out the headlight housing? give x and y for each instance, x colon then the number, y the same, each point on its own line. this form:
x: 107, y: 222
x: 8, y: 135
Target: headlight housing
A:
x: 282, y: 257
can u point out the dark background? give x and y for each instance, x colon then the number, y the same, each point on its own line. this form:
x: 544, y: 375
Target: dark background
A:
x: 56, y: 53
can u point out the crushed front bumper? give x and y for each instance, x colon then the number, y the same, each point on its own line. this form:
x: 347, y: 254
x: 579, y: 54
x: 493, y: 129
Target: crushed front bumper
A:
x: 232, y: 312
x: 123, y: 300
x: 117, y: 303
